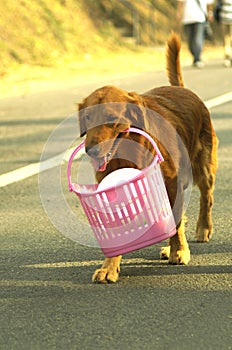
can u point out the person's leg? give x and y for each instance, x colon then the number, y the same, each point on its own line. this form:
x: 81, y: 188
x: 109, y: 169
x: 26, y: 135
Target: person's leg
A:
x: 189, y: 30
x: 230, y: 25
x: 195, y: 35
x: 198, y: 41
x: 226, y: 31
x: 230, y: 33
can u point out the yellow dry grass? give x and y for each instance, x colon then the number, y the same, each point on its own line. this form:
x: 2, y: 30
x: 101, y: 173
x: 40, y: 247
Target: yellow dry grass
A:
x: 50, y: 44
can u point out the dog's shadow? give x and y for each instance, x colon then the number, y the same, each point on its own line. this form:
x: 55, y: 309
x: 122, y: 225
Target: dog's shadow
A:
x: 157, y: 269
x: 207, y: 258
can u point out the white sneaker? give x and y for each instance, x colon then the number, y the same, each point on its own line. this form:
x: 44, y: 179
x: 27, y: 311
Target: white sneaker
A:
x: 199, y: 64
x: 227, y: 62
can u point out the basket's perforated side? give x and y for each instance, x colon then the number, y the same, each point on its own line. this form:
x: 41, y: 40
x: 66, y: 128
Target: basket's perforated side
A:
x: 129, y: 216
x: 139, y: 206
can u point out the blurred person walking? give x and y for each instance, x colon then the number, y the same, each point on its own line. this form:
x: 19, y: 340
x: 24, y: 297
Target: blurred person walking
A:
x: 193, y: 15
x: 225, y: 17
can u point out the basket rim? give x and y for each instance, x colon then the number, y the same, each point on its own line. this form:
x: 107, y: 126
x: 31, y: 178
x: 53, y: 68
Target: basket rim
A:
x: 157, y: 159
x: 121, y: 184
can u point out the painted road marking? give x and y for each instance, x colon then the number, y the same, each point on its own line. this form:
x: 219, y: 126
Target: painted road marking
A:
x: 219, y: 100
x: 135, y: 262
x: 33, y: 169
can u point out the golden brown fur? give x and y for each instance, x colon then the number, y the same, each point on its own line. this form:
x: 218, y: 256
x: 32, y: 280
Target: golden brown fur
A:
x: 109, y: 110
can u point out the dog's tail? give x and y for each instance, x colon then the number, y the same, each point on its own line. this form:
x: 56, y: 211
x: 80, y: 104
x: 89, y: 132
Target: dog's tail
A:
x: 173, y: 60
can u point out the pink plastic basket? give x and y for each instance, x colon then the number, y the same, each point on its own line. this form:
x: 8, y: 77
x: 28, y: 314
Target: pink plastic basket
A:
x: 139, y: 214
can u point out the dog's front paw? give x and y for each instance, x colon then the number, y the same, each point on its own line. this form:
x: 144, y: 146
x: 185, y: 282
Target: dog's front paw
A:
x: 105, y: 275
x: 109, y: 272
x: 179, y: 257
x: 203, y: 234
x: 165, y: 252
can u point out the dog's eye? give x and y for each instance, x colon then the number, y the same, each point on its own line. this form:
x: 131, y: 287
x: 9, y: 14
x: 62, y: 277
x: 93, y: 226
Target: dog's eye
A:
x: 112, y: 119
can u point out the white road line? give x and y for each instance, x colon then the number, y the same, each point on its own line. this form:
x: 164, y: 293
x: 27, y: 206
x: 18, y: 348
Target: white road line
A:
x: 219, y: 100
x: 135, y: 262
x: 33, y: 169
x: 27, y: 171
x: 64, y: 264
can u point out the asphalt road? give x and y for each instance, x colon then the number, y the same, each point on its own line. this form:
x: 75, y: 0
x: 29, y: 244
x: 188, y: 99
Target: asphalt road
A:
x: 47, y: 300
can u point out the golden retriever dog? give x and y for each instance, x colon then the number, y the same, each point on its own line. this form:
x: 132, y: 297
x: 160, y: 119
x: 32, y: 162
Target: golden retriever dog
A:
x: 108, y: 111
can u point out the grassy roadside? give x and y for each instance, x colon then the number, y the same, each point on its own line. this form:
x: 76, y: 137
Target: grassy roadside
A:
x: 49, y: 44
x: 45, y: 42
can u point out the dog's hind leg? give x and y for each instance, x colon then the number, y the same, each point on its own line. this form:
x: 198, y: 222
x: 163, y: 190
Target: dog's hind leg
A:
x: 109, y: 272
x: 205, y: 180
x: 204, y: 228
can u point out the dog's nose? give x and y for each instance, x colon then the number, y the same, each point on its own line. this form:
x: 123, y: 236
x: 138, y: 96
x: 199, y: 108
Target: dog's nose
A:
x: 92, y: 151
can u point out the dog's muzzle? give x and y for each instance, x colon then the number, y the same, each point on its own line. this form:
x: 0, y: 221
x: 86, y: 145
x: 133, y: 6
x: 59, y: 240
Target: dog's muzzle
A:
x: 100, y: 163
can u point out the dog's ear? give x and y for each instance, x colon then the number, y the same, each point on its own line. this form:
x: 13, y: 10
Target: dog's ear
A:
x: 135, y: 111
x: 81, y: 119
x: 92, y: 100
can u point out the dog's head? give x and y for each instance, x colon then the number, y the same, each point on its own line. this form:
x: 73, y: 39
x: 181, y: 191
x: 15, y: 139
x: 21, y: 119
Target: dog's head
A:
x: 103, y: 116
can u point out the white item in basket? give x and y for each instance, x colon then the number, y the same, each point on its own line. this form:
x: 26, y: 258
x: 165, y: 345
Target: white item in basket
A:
x: 118, y: 177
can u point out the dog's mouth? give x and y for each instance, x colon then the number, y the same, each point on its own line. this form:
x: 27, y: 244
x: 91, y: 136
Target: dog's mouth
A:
x: 100, y: 163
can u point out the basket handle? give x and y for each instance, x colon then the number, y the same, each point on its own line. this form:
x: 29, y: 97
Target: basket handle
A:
x: 143, y: 133
x: 76, y: 150
x: 82, y: 144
